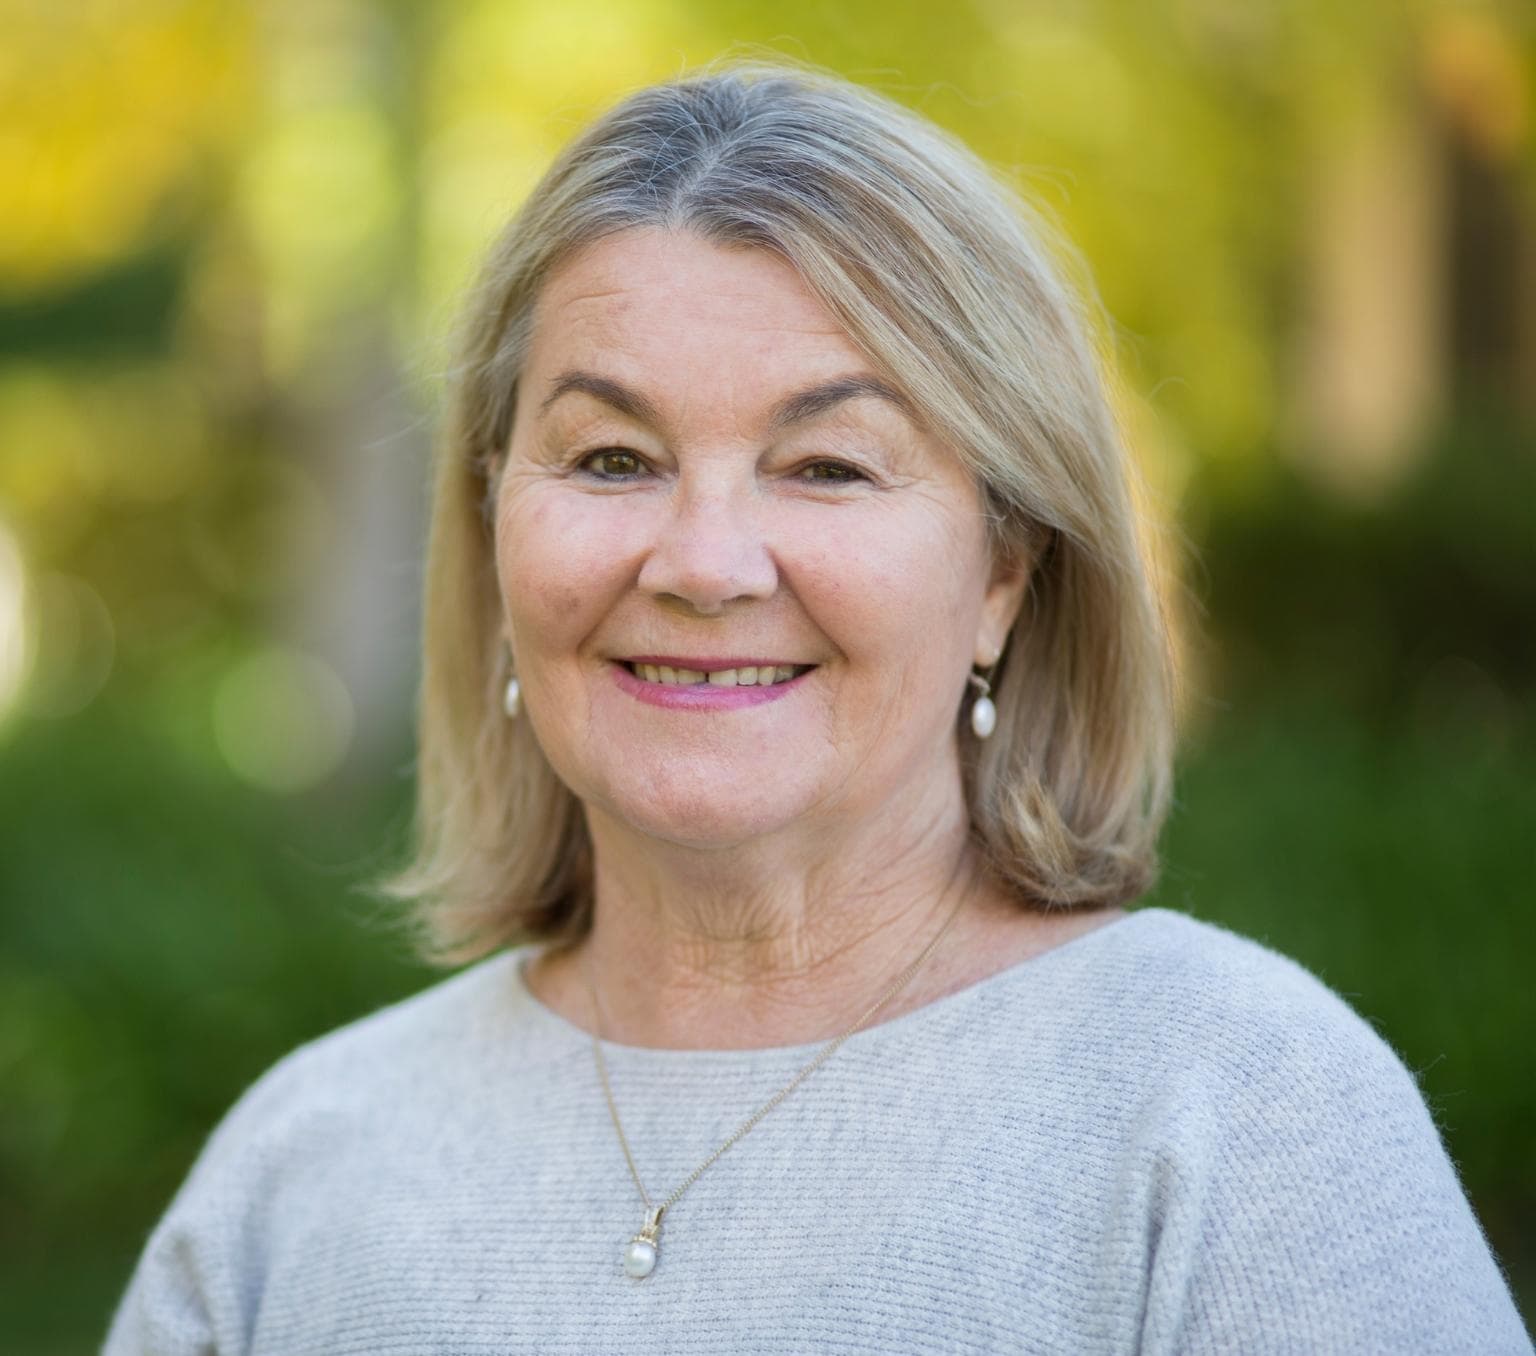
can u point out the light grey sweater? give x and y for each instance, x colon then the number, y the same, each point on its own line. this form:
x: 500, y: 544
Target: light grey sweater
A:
x: 1158, y: 1137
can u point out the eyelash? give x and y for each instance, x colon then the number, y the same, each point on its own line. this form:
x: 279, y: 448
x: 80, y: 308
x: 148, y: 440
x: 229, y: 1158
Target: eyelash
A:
x: 584, y: 465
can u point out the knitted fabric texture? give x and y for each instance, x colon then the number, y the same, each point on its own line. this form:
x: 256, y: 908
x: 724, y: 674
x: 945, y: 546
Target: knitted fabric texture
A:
x: 1159, y: 1137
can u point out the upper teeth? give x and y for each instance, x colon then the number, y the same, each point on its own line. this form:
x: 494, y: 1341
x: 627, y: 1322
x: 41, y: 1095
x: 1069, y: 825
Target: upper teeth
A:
x: 742, y: 677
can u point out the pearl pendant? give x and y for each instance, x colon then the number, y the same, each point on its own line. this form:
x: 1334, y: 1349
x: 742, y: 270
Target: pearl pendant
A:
x: 983, y: 717
x: 639, y: 1258
x: 643, y: 1249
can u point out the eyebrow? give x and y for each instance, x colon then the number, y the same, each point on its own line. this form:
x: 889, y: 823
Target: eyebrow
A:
x: 793, y: 409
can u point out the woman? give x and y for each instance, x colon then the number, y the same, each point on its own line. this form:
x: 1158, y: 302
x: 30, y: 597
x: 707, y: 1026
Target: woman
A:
x: 798, y: 703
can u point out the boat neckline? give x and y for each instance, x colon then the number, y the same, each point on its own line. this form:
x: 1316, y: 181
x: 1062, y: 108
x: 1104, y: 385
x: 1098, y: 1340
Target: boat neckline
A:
x: 876, y: 1032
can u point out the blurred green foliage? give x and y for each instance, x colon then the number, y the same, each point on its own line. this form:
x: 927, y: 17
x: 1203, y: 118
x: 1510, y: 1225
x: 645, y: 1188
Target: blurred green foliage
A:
x: 167, y: 935
x: 1414, y: 609
x: 234, y: 232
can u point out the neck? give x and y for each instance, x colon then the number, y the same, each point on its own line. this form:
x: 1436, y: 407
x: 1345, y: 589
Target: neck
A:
x: 772, y: 942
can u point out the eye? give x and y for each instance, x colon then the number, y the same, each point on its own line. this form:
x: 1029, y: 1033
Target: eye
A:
x: 612, y: 463
x: 831, y: 473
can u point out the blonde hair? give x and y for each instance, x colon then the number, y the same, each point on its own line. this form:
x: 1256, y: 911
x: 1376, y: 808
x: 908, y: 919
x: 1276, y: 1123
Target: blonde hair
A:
x: 940, y: 272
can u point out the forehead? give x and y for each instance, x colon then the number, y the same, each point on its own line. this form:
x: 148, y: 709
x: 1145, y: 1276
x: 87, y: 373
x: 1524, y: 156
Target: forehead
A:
x: 644, y: 290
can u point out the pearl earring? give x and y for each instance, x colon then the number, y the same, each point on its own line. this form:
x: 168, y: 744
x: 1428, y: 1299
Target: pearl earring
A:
x: 512, y: 699
x: 983, y: 712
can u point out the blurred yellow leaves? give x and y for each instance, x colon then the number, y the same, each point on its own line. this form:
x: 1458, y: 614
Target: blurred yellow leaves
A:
x: 504, y: 87
x: 1477, y: 72
x: 105, y: 108
x: 317, y: 190
x: 259, y: 531
x: 69, y: 449
x: 318, y: 194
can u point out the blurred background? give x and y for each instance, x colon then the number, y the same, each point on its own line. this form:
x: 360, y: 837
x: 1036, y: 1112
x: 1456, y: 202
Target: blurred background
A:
x: 231, y: 242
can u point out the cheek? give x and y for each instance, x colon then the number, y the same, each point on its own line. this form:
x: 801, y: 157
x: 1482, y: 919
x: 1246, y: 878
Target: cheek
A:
x: 902, y: 589
x: 553, y: 566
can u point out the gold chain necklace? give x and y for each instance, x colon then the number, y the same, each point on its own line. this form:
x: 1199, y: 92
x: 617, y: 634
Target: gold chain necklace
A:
x: 644, y: 1248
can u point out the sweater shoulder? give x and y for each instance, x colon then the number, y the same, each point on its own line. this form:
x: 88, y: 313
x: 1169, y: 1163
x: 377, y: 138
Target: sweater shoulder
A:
x: 372, y: 1064
x: 1229, y: 976
x: 1207, y: 998
x: 1296, y: 1181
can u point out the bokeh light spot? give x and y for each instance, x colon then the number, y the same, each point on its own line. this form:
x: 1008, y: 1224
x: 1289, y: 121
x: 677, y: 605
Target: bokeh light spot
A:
x: 13, y: 622
x: 73, y: 643
x: 282, y: 719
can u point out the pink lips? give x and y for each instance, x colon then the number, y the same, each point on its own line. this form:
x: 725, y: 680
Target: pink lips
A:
x: 700, y: 696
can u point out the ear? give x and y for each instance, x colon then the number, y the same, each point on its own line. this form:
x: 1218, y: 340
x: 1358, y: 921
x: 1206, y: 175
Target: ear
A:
x: 488, y: 470
x: 1012, y: 569
x: 492, y: 464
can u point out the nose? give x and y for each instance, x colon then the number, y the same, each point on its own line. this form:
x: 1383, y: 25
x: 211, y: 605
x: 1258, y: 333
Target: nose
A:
x: 709, y: 549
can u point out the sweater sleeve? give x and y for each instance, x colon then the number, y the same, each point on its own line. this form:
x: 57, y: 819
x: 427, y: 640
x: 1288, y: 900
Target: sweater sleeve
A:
x: 165, y: 1310
x: 1312, y: 1207
x: 197, y: 1285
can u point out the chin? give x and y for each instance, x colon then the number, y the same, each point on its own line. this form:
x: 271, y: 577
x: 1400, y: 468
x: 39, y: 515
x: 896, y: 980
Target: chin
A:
x: 706, y: 817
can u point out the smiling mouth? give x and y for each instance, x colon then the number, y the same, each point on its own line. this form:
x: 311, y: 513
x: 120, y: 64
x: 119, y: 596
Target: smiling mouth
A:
x: 759, y: 675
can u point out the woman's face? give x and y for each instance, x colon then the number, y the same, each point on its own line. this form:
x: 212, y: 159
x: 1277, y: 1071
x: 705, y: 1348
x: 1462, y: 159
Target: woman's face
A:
x: 706, y: 477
